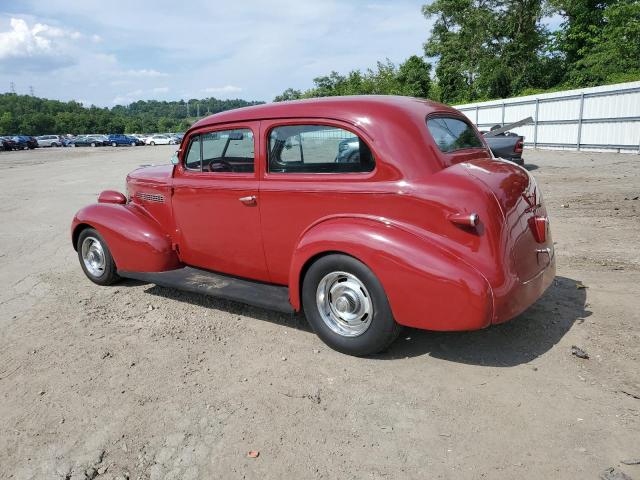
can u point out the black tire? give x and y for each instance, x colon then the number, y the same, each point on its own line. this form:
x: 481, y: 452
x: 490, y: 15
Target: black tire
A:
x: 114, y: 144
x: 153, y: 144
x: 382, y: 329
x: 109, y: 275
x: 93, y: 144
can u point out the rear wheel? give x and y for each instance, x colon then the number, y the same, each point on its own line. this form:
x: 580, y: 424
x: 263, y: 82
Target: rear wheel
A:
x: 347, y: 307
x: 95, y: 258
x: 152, y: 144
x: 114, y: 144
x: 93, y: 144
x: 133, y: 144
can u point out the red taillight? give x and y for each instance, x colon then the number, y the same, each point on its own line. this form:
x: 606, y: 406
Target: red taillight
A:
x: 519, y: 146
x: 538, y: 227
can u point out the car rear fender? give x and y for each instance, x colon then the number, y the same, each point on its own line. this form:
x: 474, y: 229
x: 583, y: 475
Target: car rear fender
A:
x: 427, y: 286
x: 136, y: 241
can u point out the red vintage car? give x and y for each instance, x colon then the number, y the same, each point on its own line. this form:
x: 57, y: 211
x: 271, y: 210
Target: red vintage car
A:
x: 367, y: 213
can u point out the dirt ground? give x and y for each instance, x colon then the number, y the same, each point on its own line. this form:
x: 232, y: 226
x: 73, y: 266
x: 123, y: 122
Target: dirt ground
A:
x: 137, y: 381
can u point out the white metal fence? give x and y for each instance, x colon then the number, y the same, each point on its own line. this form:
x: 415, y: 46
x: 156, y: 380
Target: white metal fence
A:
x: 599, y: 118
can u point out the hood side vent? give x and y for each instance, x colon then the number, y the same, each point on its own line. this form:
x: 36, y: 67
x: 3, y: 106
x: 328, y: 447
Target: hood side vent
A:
x: 150, y: 197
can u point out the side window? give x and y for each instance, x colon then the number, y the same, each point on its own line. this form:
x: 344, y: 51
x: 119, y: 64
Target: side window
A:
x: 228, y: 151
x: 192, y: 160
x: 317, y: 149
x: 451, y: 134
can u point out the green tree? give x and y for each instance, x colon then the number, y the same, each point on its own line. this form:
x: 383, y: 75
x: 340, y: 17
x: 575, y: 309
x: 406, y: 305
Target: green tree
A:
x: 288, y: 94
x: 414, y: 77
x: 37, y: 116
x: 464, y: 39
x: 613, y: 53
x: 8, y: 124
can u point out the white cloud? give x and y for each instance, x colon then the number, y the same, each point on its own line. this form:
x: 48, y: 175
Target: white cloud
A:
x: 39, y: 40
x: 227, y: 89
x: 117, y: 54
x: 139, y: 94
x: 22, y: 41
x: 143, y: 73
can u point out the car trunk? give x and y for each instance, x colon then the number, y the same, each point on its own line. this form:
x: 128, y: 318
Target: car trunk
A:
x: 526, y: 239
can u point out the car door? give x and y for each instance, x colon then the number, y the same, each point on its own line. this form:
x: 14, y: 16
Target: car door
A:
x: 216, y: 201
x: 314, y: 169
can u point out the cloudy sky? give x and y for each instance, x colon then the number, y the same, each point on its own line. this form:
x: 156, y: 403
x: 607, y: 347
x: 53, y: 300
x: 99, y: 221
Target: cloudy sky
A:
x: 108, y: 53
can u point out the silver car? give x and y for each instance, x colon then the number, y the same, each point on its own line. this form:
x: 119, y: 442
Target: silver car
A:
x: 49, y: 141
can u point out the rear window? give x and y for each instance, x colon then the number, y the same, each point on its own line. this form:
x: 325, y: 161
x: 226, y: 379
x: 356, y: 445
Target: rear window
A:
x: 451, y: 134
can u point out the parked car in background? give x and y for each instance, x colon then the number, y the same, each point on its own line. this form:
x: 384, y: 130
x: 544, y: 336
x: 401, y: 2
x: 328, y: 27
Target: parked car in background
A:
x: 161, y: 139
x: 8, y: 143
x: 50, y: 141
x: 506, y: 144
x: 119, y: 139
x: 425, y: 229
x: 103, y: 138
x: 348, y: 150
x: 24, y: 142
x: 508, y: 147
x: 66, y: 140
x: 88, y: 141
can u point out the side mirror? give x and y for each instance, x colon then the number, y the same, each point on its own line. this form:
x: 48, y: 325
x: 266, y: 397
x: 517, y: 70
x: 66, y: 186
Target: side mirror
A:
x: 174, y: 158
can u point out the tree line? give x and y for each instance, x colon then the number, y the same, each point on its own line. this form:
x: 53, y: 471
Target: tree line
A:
x: 27, y: 115
x: 486, y: 49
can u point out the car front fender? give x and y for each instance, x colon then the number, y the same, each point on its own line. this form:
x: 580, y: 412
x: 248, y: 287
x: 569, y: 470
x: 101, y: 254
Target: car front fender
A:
x: 136, y: 241
x: 427, y: 286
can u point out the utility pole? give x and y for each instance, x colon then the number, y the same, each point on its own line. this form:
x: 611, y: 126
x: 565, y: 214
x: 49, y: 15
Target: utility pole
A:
x: 187, y: 108
x: 31, y: 91
x: 12, y: 87
x: 198, y: 110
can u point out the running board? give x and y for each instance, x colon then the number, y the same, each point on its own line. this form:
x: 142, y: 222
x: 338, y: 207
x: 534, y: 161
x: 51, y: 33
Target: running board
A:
x: 272, y: 297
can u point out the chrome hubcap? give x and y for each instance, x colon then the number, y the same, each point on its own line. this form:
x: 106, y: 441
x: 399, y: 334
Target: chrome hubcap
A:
x: 93, y: 256
x: 344, y: 304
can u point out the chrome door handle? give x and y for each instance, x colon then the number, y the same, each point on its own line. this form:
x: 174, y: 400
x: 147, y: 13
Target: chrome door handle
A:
x: 250, y: 200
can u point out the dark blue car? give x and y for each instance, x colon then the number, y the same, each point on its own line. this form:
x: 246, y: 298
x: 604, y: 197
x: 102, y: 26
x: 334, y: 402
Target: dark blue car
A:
x: 23, y: 142
x: 119, y: 139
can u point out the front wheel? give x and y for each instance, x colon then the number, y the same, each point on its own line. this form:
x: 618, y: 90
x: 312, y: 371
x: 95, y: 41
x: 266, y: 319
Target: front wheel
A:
x: 95, y: 258
x: 347, y: 307
x: 114, y: 144
x: 153, y: 144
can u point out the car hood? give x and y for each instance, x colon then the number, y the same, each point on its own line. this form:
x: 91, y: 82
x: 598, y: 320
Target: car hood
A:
x: 155, y: 175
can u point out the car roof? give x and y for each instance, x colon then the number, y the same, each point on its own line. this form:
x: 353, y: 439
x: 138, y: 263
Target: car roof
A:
x: 349, y: 109
x: 391, y: 123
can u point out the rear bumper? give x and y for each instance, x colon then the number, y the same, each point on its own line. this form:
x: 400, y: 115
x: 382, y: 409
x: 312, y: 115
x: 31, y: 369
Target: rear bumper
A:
x: 523, y: 294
